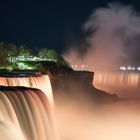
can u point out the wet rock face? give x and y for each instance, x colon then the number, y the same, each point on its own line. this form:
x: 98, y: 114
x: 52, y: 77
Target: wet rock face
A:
x: 78, y: 77
x: 79, y: 85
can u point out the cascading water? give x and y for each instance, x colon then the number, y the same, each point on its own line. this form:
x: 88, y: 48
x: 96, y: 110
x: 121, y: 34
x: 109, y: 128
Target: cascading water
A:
x: 26, y: 113
x: 118, y: 82
x: 40, y: 82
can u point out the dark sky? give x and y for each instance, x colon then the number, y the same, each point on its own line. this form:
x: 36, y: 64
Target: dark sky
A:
x: 49, y: 23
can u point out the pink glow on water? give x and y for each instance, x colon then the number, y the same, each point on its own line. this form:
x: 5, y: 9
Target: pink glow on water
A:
x: 121, y: 83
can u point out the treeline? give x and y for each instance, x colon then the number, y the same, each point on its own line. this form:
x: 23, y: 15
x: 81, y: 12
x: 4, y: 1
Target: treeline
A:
x: 9, y: 51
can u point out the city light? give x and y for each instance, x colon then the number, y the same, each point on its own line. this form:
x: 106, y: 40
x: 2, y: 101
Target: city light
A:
x: 138, y: 68
x: 90, y: 67
x: 122, y: 68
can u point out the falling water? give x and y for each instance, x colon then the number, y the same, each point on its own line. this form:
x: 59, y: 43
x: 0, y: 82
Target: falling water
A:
x: 26, y: 109
x: 29, y: 111
x: 40, y: 82
x: 122, y: 83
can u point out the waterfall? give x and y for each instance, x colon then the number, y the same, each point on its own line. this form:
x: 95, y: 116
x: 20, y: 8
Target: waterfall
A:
x: 28, y: 111
x: 118, y: 82
x: 40, y: 82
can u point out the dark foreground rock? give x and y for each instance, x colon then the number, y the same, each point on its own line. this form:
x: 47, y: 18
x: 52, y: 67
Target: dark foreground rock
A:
x: 79, y: 86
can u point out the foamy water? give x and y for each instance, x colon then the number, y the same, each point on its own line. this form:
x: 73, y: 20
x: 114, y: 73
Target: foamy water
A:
x: 27, y: 114
x: 40, y: 82
x: 29, y: 111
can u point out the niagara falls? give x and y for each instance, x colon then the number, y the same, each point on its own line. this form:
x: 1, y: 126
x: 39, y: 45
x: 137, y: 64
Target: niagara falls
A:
x: 70, y: 70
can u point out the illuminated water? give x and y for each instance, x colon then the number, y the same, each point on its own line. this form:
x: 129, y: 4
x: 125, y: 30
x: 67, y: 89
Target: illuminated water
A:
x: 111, y: 121
x: 27, y: 114
x: 121, y: 83
x: 40, y: 82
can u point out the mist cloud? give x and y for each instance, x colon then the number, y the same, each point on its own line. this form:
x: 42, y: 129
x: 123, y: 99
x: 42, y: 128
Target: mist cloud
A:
x: 113, y: 38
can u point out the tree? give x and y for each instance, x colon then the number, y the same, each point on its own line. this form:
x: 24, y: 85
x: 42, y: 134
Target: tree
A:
x: 3, y: 55
x: 49, y: 54
x: 12, y: 50
x: 43, y: 52
x: 24, y: 51
x: 52, y: 54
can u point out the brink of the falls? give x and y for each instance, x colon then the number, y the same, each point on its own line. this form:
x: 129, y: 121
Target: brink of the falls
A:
x: 41, y: 82
x: 26, y: 113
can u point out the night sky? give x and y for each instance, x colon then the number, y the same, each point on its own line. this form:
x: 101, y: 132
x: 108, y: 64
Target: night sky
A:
x: 49, y: 23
